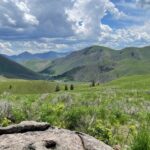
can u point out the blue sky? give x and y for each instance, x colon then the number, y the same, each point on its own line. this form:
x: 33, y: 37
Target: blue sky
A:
x: 68, y: 25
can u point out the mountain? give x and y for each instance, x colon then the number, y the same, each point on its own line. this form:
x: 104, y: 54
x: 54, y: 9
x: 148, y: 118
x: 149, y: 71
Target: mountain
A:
x: 26, y: 56
x: 11, y: 69
x: 36, y: 65
x: 36, y: 62
x: 100, y: 64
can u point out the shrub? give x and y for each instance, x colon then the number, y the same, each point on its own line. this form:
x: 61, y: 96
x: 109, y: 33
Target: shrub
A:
x: 75, y: 118
x: 93, y: 83
x: 71, y: 87
x: 5, y: 109
x: 10, y: 87
x: 101, y: 132
x: 66, y: 87
x: 57, y: 89
x: 5, y: 122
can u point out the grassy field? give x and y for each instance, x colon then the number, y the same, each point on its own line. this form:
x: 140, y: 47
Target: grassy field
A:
x: 26, y: 86
x: 112, y: 112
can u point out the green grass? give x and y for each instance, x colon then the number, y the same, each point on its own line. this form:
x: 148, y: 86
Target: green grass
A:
x: 111, y: 112
x: 26, y: 86
x: 141, y: 82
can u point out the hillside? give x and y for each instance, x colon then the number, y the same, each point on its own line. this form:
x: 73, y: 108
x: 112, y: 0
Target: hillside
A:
x: 101, y: 64
x: 38, y: 61
x: 12, y: 69
x: 36, y: 65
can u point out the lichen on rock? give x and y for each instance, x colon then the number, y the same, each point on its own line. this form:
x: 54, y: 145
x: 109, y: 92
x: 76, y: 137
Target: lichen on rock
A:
x: 30, y: 135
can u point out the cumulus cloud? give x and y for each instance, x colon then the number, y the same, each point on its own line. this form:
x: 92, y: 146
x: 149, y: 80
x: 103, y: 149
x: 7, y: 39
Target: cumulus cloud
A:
x: 86, y: 15
x: 15, y: 16
x: 51, y: 18
x: 138, y: 35
x: 26, y: 19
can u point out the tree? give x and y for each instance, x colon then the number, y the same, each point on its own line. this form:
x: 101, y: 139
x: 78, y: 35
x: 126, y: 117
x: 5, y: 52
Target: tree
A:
x: 10, y: 87
x: 93, y: 83
x: 71, y: 87
x: 66, y: 87
x: 57, y: 89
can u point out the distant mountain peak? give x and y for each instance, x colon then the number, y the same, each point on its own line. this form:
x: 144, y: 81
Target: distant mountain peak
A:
x: 27, y: 56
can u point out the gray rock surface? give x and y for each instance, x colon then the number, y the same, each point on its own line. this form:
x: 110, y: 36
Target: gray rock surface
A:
x: 41, y: 136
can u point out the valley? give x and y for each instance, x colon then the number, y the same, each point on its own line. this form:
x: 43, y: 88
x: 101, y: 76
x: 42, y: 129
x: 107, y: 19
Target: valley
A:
x: 75, y: 74
x: 11, y: 69
x: 99, y: 91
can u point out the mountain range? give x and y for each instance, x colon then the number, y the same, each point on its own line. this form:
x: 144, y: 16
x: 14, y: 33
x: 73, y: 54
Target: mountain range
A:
x: 38, y: 61
x: 26, y: 56
x: 93, y: 63
x: 100, y: 64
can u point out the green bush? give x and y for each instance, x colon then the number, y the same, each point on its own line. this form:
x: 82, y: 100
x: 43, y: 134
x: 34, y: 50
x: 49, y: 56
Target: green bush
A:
x: 66, y: 87
x: 93, y: 83
x: 71, y: 87
x: 5, y: 122
x: 101, y: 132
x: 57, y: 89
x: 74, y: 118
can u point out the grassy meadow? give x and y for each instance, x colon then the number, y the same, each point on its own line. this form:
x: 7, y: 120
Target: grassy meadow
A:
x: 114, y: 112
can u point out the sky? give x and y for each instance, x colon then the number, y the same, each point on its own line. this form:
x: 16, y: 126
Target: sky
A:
x: 39, y: 26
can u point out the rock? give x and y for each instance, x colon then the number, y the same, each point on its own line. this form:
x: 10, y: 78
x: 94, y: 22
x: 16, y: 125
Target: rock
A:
x: 24, y: 127
x: 117, y: 147
x: 31, y: 135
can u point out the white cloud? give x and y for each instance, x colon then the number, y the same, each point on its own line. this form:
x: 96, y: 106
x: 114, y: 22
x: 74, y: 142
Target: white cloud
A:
x: 9, y: 19
x: 50, y: 18
x: 28, y: 18
x: 138, y: 35
x: 5, y: 48
x: 16, y: 19
x: 22, y: 6
x: 114, y: 11
x: 85, y: 16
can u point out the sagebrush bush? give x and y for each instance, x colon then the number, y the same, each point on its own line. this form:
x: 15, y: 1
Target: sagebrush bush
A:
x: 5, y: 109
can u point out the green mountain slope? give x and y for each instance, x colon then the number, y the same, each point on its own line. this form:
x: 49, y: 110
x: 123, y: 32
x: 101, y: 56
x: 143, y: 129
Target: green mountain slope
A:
x: 36, y: 65
x: 38, y: 61
x: 138, y: 82
x: 12, y: 69
x: 101, y: 64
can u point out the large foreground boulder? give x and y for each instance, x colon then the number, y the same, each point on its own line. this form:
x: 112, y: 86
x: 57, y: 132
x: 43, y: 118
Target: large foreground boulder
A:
x: 31, y: 135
